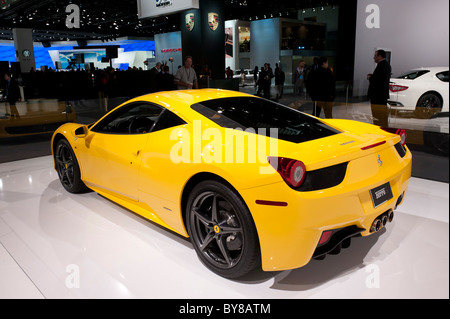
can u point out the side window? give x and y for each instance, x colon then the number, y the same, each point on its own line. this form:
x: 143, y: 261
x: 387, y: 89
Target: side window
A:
x: 167, y: 120
x: 136, y: 118
x: 443, y: 76
x: 414, y: 75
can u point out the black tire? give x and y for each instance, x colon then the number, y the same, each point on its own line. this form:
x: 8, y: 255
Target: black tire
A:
x: 427, y: 105
x: 68, y: 169
x: 222, y: 230
x: 430, y: 101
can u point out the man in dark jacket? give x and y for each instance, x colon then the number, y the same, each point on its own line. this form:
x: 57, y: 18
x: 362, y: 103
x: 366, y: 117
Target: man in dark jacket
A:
x: 322, y: 88
x: 378, y: 93
x: 11, y: 93
x: 280, y: 77
x: 266, y: 76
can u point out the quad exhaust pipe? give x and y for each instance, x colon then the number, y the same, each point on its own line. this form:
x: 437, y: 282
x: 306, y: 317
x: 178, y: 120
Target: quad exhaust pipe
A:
x: 381, y: 221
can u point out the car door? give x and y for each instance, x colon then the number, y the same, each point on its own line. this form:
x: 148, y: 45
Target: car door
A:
x: 114, y: 149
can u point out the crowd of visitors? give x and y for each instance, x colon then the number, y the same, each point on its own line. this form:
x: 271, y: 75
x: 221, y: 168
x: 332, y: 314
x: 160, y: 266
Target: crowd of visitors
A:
x: 82, y: 84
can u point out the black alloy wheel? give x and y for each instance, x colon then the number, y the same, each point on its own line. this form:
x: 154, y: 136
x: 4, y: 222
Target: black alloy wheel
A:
x: 222, y: 230
x: 430, y: 101
x: 428, y: 105
x: 68, y: 169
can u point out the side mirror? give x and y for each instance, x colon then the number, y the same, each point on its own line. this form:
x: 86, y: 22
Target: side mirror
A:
x: 81, y: 132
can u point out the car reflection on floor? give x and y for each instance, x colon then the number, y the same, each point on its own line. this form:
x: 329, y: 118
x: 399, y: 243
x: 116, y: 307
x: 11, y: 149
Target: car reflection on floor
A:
x: 34, y: 117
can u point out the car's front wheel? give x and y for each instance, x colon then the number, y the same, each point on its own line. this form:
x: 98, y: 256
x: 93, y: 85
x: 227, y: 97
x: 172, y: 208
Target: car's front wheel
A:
x: 67, y: 168
x: 222, y: 230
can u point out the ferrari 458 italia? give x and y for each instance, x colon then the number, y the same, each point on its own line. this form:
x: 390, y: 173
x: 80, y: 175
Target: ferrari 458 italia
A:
x: 252, y: 183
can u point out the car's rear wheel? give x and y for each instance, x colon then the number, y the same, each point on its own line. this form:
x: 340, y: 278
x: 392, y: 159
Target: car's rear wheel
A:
x: 430, y: 100
x: 222, y: 230
x: 427, y: 105
x: 68, y: 169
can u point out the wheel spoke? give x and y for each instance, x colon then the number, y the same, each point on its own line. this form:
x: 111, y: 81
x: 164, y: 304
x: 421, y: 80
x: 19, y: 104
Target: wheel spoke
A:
x: 208, y: 240
x: 203, y: 219
x: 65, y: 166
x: 223, y: 249
x: 215, y: 209
x: 229, y: 229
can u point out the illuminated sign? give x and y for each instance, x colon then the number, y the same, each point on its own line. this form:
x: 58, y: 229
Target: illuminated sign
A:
x: 170, y: 50
x: 154, y: 8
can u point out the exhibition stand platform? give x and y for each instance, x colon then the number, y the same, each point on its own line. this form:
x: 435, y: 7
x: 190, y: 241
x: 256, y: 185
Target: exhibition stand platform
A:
x: 57, y: 245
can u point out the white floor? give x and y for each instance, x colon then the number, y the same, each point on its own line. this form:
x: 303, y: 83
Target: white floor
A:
x: 57, y: 245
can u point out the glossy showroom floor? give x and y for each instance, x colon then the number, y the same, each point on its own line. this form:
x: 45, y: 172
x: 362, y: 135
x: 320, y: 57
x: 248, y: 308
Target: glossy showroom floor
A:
x: 57, y: 245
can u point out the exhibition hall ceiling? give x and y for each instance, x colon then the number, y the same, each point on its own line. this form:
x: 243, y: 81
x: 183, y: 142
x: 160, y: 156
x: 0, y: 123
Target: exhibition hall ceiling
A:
x: 109, y: 19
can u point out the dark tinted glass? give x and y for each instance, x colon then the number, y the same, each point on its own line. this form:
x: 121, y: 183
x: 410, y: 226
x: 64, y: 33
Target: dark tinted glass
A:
x: 135, y: 118
x: 256, y: 113
x: 411, y: 75
x: 167, y: 120
x: 443, y: 76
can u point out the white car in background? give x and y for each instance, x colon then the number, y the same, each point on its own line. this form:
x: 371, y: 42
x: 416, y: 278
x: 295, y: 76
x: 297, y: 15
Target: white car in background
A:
x: 245, y: 77
x: 424, y: 88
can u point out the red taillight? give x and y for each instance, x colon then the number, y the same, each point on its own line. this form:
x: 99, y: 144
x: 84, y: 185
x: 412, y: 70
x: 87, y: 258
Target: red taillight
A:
x: 292, y: 171
x: 397, y: 131
x: 402, y: 134
x: 397, y: 88
x: 372, y: 145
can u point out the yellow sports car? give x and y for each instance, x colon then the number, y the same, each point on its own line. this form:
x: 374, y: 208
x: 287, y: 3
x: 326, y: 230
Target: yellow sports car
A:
x: 253, y: 183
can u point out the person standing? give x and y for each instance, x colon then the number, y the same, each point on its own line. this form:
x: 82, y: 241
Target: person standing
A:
x: 154, y: 72
x: 279, y: 81
x: 11, y: 93
x: 324, y: 88
x: 165, y: 79
x: 378, y: 92
x: 186, y: 77
x: 255, y: 76
x: 266, y: 75
x: 299, y: 78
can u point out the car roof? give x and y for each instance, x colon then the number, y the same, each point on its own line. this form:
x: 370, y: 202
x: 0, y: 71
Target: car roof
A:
x: 432, y: 69
x: 180, y: 101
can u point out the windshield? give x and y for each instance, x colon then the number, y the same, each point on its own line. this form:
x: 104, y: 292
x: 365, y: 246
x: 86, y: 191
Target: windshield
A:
x: 256, y: 113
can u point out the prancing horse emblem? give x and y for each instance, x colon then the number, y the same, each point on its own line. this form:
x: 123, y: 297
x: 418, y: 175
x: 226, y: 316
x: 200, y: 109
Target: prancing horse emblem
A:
x: 380, y: 161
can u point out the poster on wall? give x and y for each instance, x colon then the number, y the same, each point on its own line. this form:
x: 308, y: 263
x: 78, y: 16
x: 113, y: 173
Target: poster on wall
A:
x: 244, y: 39
x: 154, y: 8
x: 228, y: 42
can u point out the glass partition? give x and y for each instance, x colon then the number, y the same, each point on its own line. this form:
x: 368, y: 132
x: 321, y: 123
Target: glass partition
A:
x: 84, y: 97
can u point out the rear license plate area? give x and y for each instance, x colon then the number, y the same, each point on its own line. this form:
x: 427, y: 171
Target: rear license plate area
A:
x: 381, y: 194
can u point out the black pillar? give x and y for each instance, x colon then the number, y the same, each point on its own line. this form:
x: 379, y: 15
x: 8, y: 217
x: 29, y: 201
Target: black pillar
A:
x: 205, y: 41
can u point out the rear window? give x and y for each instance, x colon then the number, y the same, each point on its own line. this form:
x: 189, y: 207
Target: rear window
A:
x: 411, y: 75
x: 256, y: 113
x: 443, y: 76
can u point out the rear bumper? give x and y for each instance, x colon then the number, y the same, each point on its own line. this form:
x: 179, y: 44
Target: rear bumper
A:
x: 289, y: 235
